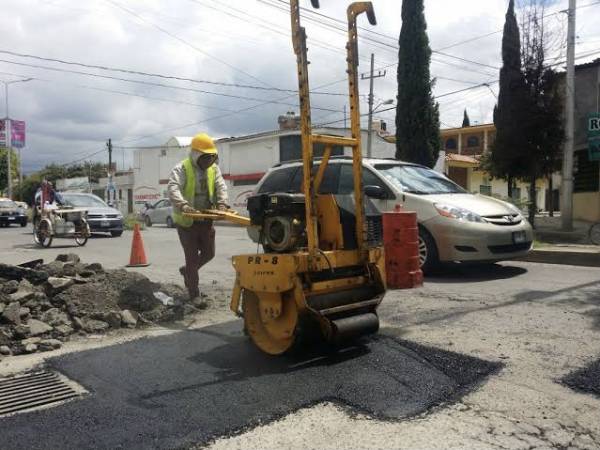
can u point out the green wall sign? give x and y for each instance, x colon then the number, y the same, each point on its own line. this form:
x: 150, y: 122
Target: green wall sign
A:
x: 593, y: 130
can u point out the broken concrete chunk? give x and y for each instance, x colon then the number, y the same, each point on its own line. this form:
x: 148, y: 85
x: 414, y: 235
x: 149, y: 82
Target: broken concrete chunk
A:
x: 95, y: 267
x: 31, y: 348
x: 68, y: 257
x: 12, y: 313
x: 69, y: 270
x: 55, y: 317
x: 21, y: 331
x: 10, y: 287
x: 63, y: 330
x: 37, y: 327
x: 24, y: 312
x: 5, y: 350
x: 50, y: 344
x: 129, y: 318
x: 95, y: 326
x: 31, y: 340
x: 56, y: 285
x: 18, y: 273
x: 2, y: 306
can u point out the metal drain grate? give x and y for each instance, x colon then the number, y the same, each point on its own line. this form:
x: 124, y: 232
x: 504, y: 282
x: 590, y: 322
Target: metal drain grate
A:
x: 35, y: 390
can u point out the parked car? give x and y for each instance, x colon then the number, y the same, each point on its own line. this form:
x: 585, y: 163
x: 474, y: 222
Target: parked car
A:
x: 160, y: 212
x: 454, y: 225
x: 101, y: 217
x: 11, y: 213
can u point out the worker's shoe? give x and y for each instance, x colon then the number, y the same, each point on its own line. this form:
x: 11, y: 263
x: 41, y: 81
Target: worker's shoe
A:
x: 199, y: 302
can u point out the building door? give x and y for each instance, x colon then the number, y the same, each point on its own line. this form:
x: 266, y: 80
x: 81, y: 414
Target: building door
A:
x: 459, y: 175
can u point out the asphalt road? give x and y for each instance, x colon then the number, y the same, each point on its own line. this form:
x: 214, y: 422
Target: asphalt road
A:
x: 188, y: 388
x: 542, y: 322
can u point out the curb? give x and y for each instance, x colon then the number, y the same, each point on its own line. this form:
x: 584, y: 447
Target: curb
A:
x: 568, y: 257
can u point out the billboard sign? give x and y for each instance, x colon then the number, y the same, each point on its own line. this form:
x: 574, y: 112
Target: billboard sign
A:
x: 593, y: 132
x: 17, y: 133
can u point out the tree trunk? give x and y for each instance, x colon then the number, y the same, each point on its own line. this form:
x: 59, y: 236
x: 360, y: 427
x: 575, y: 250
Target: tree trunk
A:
x: 551, y: 190
x: 532, y: 202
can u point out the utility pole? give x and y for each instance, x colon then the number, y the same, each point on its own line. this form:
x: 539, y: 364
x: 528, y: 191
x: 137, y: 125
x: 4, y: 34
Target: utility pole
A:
x: 370, y: 78
x: 8, y: 145
x: 566, y: 208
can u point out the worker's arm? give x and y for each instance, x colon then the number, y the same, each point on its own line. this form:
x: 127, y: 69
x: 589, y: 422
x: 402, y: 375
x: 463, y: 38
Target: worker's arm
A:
x: 221, y: 190
x: 175, y: 186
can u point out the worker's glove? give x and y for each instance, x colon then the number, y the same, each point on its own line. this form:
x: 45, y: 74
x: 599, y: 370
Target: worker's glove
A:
x: 222, y: 207
x: 188, y: 209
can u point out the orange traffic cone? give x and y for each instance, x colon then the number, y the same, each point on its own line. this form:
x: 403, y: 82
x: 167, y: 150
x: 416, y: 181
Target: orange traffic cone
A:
x: 138, y: 255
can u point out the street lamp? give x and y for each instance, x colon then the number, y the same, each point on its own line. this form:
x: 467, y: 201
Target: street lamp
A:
x: 7, y: 130
x: 389, y: 101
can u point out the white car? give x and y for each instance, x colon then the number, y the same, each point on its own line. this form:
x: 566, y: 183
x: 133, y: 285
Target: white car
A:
x: 454, y: 225
x: 160, y: 212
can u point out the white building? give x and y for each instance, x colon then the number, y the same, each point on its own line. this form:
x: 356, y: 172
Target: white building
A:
x: 243, y: 161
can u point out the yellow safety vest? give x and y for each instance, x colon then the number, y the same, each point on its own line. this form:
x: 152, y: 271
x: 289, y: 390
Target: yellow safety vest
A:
x: 189, y: 190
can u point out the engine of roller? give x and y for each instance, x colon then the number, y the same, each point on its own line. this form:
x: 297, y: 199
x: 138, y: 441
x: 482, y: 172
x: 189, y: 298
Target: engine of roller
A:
x: 281, y: 219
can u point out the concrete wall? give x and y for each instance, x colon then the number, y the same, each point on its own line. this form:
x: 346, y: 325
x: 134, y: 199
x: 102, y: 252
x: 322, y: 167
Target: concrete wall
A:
x: 586, y: 206
x: 500, y: 188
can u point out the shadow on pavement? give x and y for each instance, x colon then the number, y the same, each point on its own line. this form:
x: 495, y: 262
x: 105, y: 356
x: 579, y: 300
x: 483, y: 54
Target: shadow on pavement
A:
x: 463, y: 272
x: 586, y: 379
x: 191, y: 387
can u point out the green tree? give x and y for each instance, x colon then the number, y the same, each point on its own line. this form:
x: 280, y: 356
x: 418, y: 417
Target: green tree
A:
x: 506, y: 159
x: 417, y: 114
x: 466, y: 120
x: 14, y: 168
x: 544, y: 126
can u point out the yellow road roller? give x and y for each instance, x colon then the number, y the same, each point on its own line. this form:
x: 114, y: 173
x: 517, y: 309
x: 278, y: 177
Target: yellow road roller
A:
x: 321, y: 271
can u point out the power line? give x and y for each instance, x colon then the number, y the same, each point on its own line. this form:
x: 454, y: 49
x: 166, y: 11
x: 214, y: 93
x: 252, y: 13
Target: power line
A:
x: 55, y: 69
x: 385, y: 44
x: 183, y: 41
x: 149, y: 74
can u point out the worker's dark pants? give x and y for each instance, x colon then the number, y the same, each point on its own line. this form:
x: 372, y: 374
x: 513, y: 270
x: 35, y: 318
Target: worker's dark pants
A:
x: 198, y: 242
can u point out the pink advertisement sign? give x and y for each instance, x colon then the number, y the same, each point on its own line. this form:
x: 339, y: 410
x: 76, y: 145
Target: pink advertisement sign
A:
x: 17, y: 133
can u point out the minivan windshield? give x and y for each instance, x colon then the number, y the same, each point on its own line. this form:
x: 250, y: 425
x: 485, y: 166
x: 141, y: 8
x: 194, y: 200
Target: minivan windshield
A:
x: 84, y: 200
x: 418, y: 180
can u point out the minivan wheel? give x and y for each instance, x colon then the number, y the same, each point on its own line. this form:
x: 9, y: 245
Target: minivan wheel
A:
x: 428, y: 254
x: 148, y: 221
x: 169, y: 222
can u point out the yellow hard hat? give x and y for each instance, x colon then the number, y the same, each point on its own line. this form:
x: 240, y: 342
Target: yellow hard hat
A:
x: 203, y: 143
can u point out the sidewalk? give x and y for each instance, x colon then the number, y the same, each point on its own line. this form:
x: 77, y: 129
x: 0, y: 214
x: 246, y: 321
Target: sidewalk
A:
x: 555, y: 246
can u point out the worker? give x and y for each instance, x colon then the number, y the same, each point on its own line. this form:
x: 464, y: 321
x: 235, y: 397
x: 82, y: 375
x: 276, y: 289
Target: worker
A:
x: 195, y: 184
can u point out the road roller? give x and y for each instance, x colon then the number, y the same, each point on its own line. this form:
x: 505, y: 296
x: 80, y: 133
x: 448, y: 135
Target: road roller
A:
x: 322, y: 274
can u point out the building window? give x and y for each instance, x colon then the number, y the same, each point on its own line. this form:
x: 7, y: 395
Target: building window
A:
x: 290, y: 148
x: 485, y: 189
x: 472, y: 141
x: 451, y: 144
x: 163, y: 152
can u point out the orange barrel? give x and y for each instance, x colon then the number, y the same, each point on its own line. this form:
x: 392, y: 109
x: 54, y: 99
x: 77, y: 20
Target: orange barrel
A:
x: 401, y: 244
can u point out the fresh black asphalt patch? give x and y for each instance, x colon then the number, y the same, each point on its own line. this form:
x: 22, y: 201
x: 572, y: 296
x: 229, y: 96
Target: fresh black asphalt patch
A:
x: 192, y: 387
x: 586, y: 379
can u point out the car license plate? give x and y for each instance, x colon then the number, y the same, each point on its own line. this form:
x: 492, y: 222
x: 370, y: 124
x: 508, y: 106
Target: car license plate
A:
x: 105, y: 224
x: 519, y: 237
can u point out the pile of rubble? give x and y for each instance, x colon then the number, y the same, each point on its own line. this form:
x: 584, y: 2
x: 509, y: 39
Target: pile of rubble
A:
x: 42, y: 305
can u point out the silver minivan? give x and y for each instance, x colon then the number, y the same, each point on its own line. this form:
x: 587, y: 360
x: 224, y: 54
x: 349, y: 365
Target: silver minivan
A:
x: 454, y: 225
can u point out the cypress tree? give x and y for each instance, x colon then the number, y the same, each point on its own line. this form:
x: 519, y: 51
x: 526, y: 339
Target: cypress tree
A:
x: 417, y: 114
x: 466, y: 120
x: 506, y: 159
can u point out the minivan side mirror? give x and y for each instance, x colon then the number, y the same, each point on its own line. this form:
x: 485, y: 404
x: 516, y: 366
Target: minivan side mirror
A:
x: 375, y: 192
